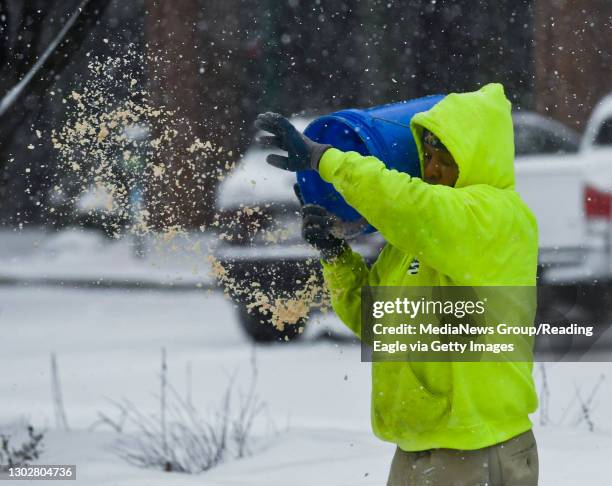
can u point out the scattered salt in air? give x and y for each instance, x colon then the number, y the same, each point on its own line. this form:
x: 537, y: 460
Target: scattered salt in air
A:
x: 102, y: 126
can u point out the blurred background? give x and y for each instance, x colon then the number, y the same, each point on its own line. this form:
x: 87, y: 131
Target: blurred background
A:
x: 104, y: 323
x: 232, y: 60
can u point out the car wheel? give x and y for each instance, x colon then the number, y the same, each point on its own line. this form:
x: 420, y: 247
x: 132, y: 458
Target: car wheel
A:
x: 259, y: 328
x: 564, y: 305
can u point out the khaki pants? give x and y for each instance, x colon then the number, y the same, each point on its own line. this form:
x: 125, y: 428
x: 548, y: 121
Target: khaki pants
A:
x: 510, y: 463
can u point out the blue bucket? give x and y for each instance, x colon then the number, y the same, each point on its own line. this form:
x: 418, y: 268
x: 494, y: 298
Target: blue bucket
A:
x: 381, y: 131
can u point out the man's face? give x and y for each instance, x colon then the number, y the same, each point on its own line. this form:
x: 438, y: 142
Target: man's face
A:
x: 439, y: 167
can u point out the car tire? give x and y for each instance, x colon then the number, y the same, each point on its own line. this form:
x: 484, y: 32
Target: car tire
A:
x: 259, y: 328
x: 562, y: 305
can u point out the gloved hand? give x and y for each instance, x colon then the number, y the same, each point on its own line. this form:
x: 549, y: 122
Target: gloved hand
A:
x: 303, y: 153
x: 317, y: 223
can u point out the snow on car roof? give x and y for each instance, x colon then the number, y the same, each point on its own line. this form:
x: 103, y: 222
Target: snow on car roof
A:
x: 533, y: 119
x: 254, y: 182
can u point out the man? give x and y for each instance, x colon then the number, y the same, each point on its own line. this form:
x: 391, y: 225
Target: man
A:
x: 463, y: 224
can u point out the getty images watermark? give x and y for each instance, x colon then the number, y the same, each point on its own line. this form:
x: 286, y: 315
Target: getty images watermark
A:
x: 38, y: 472
x: 470, y: 324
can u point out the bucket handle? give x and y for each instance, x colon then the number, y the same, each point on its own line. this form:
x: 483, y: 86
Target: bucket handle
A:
x: 391, y: 122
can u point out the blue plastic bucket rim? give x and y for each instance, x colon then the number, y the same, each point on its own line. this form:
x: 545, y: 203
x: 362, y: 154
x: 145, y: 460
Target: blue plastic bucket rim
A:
x: 349, y: 118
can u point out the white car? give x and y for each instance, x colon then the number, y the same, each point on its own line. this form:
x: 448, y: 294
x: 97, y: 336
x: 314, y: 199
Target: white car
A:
x: 571, y: 195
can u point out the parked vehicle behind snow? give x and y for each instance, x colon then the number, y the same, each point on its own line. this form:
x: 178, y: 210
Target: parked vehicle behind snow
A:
x: 571, y: 197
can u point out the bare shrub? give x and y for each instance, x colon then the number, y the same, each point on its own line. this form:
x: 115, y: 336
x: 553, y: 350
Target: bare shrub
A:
x: 582, y: 408
x: 61, y: 421
x: 586, y: 407
x: 249, y: 407
x: 544, y: 396
x: 178, y: 438
x: 116, y: 424
x: 30, y: 449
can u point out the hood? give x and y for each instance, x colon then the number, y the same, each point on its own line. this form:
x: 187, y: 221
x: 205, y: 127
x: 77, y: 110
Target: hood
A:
x: 476, y: 128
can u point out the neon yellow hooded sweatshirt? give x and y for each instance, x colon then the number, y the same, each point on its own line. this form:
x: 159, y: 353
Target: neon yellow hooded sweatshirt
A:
x: 476, y: 233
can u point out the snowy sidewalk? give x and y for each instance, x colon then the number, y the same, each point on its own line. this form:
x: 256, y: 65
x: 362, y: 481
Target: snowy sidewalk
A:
x: 81, y: 258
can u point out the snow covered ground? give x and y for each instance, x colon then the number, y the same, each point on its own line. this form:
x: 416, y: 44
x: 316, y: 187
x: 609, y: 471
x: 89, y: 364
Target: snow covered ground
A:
x: 108, y: 347
x: 108, y: 342
x: 87, y: 257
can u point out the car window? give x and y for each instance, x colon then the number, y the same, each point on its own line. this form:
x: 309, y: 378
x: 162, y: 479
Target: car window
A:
x: 530, y: 140
x: 554, y: 143
x: 604, y: 135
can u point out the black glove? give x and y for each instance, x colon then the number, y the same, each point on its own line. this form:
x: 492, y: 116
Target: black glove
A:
x: 317, y: 223
x: 303, y: 153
